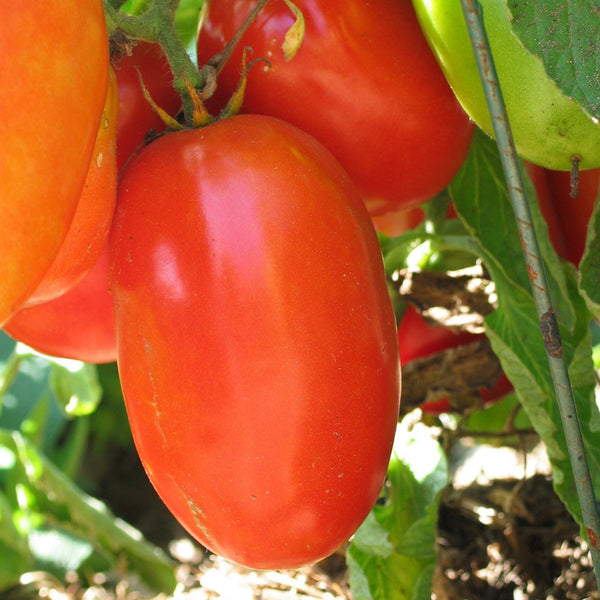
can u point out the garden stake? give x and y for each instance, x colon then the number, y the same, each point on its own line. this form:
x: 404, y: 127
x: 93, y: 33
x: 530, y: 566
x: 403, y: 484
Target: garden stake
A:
x: 548, y: 323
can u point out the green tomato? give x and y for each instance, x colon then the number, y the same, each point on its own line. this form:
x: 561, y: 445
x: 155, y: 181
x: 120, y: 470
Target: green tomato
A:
x: 548, y: 128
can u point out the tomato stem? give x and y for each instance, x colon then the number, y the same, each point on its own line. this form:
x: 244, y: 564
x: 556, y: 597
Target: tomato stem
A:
x: 539, y: 284
x: 156, y: 25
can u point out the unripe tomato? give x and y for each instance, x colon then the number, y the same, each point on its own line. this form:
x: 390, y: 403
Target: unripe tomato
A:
x: 257, y: 344
x: 136, y: 116
x: 364, y: 83
x: 88, y: 233
x: 548, y: 128
x: 79, y: 324
x: 52, y: 89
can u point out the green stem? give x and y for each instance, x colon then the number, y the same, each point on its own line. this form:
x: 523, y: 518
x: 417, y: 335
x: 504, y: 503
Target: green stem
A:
x: 156, y: 25
x: 537, y: 274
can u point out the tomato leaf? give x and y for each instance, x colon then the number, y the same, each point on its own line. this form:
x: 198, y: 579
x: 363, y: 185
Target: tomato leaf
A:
x: 481, y: 199
x: 15, y: 557
x: 589, y: 267
x: 54, y: 500
x: 392, y: 555
x: 564, y: 35
x: 75, y: 386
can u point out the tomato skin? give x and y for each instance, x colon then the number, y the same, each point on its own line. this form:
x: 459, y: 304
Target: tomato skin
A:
x: 417, y: 339
x: 88, y: 232
x: 256, y: 339
x: 567, y: 217
x: 136, y: 116
x: 53, y: 90
x: 574, y: 214
x: 548, y: 128
x: 364, y: 83
x: 396, y: 223
x: 79, y: 324
x: 539, y: 179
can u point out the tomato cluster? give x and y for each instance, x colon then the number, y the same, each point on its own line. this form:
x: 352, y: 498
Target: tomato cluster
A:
x: 71, y: 313
x: 233, y: 270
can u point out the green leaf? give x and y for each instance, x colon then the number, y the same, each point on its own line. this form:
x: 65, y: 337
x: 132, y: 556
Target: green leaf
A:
x: 75, y: 386
x: 51, y: 498
x: 565, y: 36
x: 186, y: 23
x: 392, y: 555
x: 481, y: 199
x: 15, y: 557
x: 589, y: 266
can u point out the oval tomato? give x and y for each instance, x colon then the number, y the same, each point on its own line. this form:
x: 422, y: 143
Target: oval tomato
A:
x: 79, y: 324
x: 52, y: 88
x: 257, y: 345
x: 548, y: 128
x: 418, y: 339
x: 88, y: 233
x: 364, y: 83
x: 136, y: 116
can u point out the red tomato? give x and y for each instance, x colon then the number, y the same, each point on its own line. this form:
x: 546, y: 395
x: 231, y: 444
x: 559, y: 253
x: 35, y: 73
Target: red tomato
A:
x: 567, y: 217
x: 256, y: 339
x: 364, y: 83
x: 574, y: 213
x: 53, y: 84
x: 88, y: 233
x: 79, y: 324
x: 396, y: 223
x: 418, y: 339
x: 136, y: 116
x: 540, y: 182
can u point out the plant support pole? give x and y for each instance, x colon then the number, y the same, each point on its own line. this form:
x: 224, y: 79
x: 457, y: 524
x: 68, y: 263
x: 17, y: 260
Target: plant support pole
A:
x: 547, y: 318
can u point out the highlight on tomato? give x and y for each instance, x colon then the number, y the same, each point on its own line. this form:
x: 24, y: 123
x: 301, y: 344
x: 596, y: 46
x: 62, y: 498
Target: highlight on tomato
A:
x: 364, y: 83
x: 46, y: 137
x: 257, y: 345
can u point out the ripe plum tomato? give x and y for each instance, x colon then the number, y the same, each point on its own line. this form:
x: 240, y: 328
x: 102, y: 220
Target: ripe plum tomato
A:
x: 574, y: 214
x: 79, y: 324
x: 567, y: 217
x: 88, y: 233
x: 52, y: 90
x: 417, y: 339
x: 136, y: 116
x: 256, y: 339
x: 548, y: 128
x: 364, y: 83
